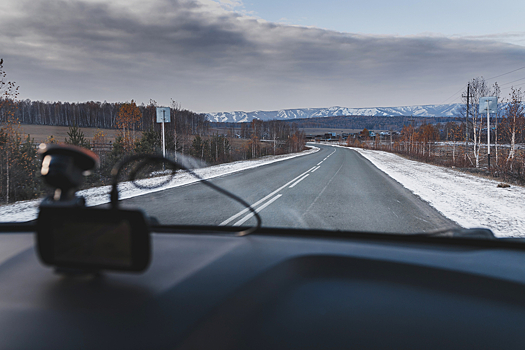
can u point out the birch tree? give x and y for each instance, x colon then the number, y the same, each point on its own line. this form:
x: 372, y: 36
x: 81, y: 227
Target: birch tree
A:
x: 514, y: 115
x: 455, y: 133
x: 496, y: 91
x: 478, y: 89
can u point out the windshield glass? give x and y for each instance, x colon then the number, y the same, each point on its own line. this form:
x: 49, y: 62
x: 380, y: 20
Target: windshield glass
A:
x: 390, y: 122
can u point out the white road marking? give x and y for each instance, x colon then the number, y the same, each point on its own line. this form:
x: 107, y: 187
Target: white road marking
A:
x: 301, y: 179
x: 328, y: 156
x: 244, y: 211
x: 290, y: 183
x: 249, y: 216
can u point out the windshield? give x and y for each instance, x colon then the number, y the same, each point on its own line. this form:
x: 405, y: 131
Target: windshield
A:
x: 374, y: 118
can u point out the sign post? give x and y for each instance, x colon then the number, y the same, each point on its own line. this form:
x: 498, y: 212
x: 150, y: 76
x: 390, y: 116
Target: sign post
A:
x: 163, y: 116
x: 489, y: 105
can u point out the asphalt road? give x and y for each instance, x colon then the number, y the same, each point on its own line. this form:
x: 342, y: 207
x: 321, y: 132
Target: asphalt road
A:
x: 334, y: 188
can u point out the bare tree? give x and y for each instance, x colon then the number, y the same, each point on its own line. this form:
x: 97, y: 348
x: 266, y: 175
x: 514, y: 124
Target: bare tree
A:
x: 514, y: 115
x: 129, y: 115
x: 10, y: 135
x: 496, y: 91
x: 478, y: 89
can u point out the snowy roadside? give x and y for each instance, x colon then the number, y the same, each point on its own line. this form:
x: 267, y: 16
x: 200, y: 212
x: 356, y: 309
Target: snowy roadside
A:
x: 469, y: 200
x: 28, y: 210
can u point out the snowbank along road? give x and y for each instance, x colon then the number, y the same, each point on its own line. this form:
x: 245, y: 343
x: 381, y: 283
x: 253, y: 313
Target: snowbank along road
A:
x: 469, y: 200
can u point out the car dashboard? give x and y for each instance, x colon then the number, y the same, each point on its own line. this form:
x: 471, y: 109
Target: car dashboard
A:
x: 277, y: 288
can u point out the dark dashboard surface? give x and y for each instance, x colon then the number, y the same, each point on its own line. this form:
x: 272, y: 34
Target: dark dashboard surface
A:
x: 267, y: 291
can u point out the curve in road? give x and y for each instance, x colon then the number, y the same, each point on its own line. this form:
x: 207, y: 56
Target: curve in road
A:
x: 335, y: 188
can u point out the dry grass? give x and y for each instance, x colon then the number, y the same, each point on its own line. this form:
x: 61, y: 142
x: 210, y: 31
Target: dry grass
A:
x: 41, y: 132
x: 442, y: 155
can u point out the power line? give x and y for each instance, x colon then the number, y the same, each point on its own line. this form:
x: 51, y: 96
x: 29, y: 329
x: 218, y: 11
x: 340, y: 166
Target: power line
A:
x: 497, y: 76
x: 454, y: 100
x: 512, y: 71
x: 511, y: 82
x: 460, y: 90
x: 514, y: 86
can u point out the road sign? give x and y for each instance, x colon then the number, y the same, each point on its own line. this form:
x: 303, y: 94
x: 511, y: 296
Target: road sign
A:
x: 163, y: 115
x: 490, y: 103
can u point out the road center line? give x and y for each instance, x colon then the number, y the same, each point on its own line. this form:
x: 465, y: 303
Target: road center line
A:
x: 247, y: 217
x: 297, y: 179
x: 315, y: 169
x: 244, y: 211
x: 301, y: 179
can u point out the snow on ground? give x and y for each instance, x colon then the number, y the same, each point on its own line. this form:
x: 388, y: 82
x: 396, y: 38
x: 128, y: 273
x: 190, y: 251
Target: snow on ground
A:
x: 469, y: 200
x: 28, y: 210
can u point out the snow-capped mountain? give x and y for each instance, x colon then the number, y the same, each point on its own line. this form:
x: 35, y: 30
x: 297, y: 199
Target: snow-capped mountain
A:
x: 448, y: 110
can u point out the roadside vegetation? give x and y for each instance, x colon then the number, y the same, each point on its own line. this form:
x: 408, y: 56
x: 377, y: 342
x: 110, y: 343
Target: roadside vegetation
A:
x: 188, y: 134
x: 464, y: 144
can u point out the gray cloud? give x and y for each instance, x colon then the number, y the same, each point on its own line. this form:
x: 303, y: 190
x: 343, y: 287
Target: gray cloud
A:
x: 211, y: 59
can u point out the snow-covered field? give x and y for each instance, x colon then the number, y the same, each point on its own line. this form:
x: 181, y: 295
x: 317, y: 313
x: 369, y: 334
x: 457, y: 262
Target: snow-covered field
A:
x: 469, y: 200
x: 28, y: 210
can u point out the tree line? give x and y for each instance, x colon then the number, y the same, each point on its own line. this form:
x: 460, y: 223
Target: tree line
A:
x: 93, y: 114
x: 188, y: 134
x: 395, y: 123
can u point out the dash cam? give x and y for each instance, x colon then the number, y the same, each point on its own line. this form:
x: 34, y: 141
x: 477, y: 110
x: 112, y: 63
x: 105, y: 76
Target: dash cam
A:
x: 72, y: 237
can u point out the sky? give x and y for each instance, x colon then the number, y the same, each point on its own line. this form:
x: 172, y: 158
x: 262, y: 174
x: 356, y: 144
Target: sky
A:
x: 231, y: 55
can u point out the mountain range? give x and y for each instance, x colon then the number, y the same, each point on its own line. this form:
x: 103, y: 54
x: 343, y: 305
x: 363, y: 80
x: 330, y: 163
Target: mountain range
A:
x: 443, y: 110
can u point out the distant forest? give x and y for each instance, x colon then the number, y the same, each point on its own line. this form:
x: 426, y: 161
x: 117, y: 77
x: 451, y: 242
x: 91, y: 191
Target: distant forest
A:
x: 370, y: 122
x: 356, y: 122
x: 102, y: 115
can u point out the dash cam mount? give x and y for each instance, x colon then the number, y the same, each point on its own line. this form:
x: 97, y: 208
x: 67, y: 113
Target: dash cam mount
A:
x: 63, y: 168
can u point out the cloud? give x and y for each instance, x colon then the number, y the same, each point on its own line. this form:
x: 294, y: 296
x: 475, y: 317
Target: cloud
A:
x: 210, y: 58
x: 509, y: 37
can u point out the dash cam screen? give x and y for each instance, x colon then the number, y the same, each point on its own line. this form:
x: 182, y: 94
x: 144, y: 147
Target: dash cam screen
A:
x: 93, y: 243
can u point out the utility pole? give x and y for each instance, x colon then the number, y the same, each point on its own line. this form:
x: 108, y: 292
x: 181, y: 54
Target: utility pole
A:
x: 488, y: 134
x: 466, y: 116
x: 466, y: 119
